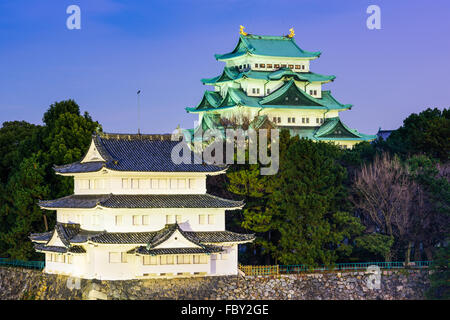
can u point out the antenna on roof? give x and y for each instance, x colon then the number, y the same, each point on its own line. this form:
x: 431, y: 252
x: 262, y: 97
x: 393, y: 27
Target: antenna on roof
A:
x: 138, y: 105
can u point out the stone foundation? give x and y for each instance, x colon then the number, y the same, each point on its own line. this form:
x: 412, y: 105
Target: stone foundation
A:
x: 400, y: 284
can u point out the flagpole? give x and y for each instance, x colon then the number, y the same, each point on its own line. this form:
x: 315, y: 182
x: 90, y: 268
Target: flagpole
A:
x: 139, y: 110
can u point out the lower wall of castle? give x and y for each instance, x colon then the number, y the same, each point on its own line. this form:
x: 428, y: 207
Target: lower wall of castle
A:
x: 401, y: 284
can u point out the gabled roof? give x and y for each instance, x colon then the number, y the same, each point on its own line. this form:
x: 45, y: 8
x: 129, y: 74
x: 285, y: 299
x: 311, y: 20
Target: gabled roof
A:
x: 290, y: 94
x: 237, y: 97
x: 136, y: 152
x: 232, y: 74
x: 65, y: 232
x: 162, y: 251
x: 141, y: 201
x: 335, y: 129
x: 150, y: 239
x: 269, y: 46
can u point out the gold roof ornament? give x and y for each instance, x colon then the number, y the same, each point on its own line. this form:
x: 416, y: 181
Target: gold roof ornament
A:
x: 241, y: 30
x: 292, y: 33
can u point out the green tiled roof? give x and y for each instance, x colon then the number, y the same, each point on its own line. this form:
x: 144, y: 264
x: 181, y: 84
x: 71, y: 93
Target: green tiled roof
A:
x: 335, y: 129
x: 237, y: 97
x: 270, y: 46
x: 232, y: 74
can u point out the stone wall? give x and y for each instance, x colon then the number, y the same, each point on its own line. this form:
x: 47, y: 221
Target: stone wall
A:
x: 400, y: 284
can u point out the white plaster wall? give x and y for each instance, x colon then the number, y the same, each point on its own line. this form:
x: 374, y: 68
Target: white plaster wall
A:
x: 190, y: 220
x: 96, y: 264
x: 252, y: 60
x: 139, y: 183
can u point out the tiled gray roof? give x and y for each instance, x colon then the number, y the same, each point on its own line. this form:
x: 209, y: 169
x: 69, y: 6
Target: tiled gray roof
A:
x: 220, y: 236
x: 142, y: 201
x: 123, y: 237
x: 152, y: 238
x: 162, y: 251
x: 41, y: 237
x: 134, y: 152
x: 73, y: 249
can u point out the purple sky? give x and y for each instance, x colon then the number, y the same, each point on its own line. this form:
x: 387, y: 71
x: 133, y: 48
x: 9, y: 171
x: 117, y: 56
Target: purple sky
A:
x: 165, y: 47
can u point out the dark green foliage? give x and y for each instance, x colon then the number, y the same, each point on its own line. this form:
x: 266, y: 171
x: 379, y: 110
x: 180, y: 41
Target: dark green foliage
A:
x: 379, y: 245
x: 427, y: 132
x: 27, y: 175
x: 440, y: 278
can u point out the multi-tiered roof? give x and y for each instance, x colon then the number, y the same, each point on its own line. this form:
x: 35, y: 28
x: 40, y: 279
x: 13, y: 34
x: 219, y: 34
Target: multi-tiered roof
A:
x: 251, y: 63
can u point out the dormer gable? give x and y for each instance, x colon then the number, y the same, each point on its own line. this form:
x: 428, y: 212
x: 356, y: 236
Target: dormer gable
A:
x: 93, y: 154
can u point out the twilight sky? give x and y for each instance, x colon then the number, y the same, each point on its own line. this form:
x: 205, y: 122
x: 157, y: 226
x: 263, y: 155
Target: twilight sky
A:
x: 165, y: 47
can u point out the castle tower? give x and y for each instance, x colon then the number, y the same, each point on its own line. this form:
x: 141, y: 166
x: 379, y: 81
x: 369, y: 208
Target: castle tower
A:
x: 268, y: 78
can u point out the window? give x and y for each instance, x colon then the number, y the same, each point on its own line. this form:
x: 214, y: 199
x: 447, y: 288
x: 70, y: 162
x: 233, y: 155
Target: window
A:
x: 303, y: 67
x: 166, y: 259
x: 123, y: 257
x: 256, y: 65
x: 293, y: 120
x: 303, y: 120
x: 210, y: 219
x: 269, y: 65
x: 274, y: 120
x: 162, y: 183
x: 118, y: 220
x: 150, y: 260
x: 49, y: 256
x: 268, y: 91
x: 173, y: 184
x: 262, y: 65
x: 83, y: 184
x: 279, y: 119
x: 297, y: 66
x: 283, y: 66
x: 291, y: 66
x: 253, y: 90
x: 145, y: 220
x: 170, y: 259
x: 69, y: 259
x: 137, y: 220
x: 99, y: 183
x: 321, y: 120
x: 124, y: 183
x: 240, y: 67
x: 144, y: 183
x: 276, y: 65
x: 191, y: 183
x: 181, y: 183
x: 289, y: 120
x: 178, y: 218
x: 200, y: 259
x: 201, y: 219
x: 257, y: 90
x: 317, y: 120
x: 114, y: 257
x: 307, y: 120
x: 170, y: 219
x: 183, y: 259
x: 154, y: 184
